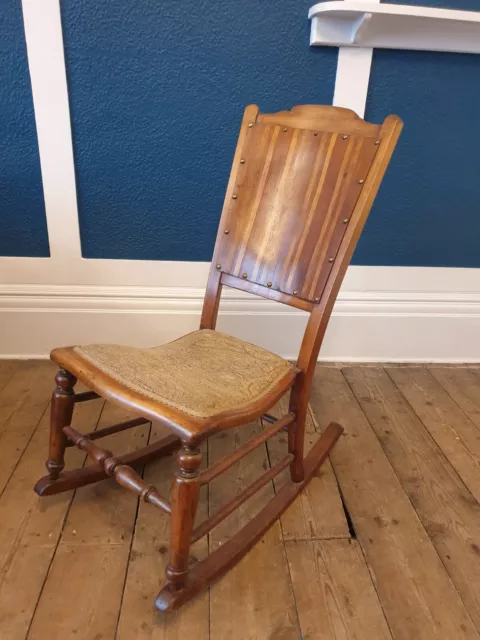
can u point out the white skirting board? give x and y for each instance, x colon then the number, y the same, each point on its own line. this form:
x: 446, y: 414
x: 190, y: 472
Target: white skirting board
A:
x: 380, y: 325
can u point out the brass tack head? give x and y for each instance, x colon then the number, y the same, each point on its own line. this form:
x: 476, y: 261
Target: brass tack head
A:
x: 226, y: 232
x: 295, y: 292
x: 345, y: 220
x: 244, y: 276
x: 377, y: 141
x: 234, y: 197
x: 250, y: 125
x: 284, y: 129
x: 242, y: 161
x: 330, y: 259
x: 344, y: 137
x: 269, y: 284
x: 317, y: 300
x: 315, y: 133
x: 361, y: 181
x: 219, y: 266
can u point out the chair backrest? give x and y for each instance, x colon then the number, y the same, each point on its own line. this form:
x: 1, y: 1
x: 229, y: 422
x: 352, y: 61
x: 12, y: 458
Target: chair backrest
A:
x: 301, y: 187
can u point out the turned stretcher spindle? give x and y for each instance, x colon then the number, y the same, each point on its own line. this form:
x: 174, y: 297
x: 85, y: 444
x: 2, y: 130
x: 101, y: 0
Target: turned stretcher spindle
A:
x: 114, y: 428
x: 225, y: 463
x: 85, y: 396
x: 122, y: 473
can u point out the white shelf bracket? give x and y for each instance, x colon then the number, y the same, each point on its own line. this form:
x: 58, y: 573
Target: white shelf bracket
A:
x: 360, y: 23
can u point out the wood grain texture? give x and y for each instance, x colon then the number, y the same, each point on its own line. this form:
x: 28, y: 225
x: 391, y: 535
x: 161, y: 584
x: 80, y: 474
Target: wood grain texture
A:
x: 283, y: 421
x: 225, y: 557
x: 417, y: 595
x: 83, y: 476
x: 91, y: 578
x: 108, y: 506
x: 23, y: 400
x: 265, y: 292
x: 463, y: 386
x: 318, y: 511
x: 7, y: 369
x: 320, y: 118
x: 148, y: 561
x: 124, y: 474
x: 242, y: 605
x: 185, y: 494
x: 292, y: 198
x: 452, y: 430
x: 62, y: 405
x: 113, y: 428
x: 334, y: 594
x: 242, y: 497
x: 30, y: 528
x: 448, y: 511
x: 91, y: 561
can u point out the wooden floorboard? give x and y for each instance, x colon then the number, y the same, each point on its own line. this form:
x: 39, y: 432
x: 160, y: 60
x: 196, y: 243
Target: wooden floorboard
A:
x: 318, y: 512
x: 148, y: 560
x: 7, y: 368
x: 30, y: 527
x: 448, y: 511
x: 383, y: 545
x: 463, y: 385
x: 453, y: 431
x: 23, y: 400
x: 83, y: 591
x: 255, y: 599
x: 411, y: 580
x: 334, y: 593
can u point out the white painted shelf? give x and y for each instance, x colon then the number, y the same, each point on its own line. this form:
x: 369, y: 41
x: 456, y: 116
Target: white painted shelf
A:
x: 393, y: 26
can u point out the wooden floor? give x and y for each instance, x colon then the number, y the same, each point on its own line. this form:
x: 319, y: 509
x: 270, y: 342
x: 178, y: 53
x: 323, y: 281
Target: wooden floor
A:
x: 385, y: 542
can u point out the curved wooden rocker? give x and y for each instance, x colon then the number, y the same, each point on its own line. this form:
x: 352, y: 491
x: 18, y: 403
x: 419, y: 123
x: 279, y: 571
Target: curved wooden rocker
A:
x: 301, y: 187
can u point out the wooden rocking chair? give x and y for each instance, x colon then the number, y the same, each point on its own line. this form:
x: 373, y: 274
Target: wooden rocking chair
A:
x: 301, y: 187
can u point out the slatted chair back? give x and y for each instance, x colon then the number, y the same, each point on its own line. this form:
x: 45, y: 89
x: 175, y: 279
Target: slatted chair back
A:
x: 300, y: 190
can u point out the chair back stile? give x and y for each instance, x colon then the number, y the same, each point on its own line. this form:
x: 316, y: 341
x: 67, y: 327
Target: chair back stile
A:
x: 300, y: 190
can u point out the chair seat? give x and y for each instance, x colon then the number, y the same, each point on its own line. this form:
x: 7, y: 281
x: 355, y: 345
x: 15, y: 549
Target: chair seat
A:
x: 201, y: 375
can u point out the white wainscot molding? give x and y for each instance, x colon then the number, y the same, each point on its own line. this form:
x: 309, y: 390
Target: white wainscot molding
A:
x: 359, y: 23
x: 383, y: 314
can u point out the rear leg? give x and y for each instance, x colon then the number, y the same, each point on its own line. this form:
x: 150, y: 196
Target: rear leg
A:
x: 296, y: 431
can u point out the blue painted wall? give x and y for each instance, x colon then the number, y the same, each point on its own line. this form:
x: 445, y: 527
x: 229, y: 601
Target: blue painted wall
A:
x: 157, y: 92
x: 428, y: 210
x: 23, y: 230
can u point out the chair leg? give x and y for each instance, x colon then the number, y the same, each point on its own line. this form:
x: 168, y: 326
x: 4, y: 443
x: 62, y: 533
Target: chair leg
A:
x: 63, y: 402
x: 204, y: 573
x: 296, y: 432
x: 184, y: 501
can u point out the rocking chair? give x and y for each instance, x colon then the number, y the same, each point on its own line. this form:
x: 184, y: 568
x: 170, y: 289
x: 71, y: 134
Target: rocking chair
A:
x: 301, y: 187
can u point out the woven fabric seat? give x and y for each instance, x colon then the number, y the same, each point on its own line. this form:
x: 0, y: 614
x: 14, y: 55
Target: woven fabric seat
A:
x: 201, y: 374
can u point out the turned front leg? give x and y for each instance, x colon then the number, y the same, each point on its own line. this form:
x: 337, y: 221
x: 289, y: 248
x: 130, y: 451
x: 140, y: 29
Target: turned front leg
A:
x: 184, y: 502
x: 61, y: 411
